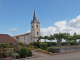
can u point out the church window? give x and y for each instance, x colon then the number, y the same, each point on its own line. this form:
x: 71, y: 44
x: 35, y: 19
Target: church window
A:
x: 37, y: 26
x: 37, y: 33
x: 17, y: 37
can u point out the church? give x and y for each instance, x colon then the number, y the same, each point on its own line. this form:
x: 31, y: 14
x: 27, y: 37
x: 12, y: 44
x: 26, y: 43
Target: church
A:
x: 35, y: 32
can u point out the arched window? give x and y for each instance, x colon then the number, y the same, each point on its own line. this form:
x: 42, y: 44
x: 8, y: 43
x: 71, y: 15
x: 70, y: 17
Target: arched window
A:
x: 37, y: 33
x: 37, y: 26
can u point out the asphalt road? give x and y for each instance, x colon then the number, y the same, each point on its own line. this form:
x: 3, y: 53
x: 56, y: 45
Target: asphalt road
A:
x: 69, y: 56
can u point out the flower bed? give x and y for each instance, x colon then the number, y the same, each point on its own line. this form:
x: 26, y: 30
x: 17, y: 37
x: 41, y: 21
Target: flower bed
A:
x: 47, y: 52
x: 15, y: 51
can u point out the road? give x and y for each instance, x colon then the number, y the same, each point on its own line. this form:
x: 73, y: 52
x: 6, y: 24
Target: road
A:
x: 69, y: 56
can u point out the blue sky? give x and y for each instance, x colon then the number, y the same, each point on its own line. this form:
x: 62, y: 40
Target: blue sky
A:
x: 54, y: 15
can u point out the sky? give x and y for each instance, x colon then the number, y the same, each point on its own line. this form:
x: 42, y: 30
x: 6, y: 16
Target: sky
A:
x: 54, y: 15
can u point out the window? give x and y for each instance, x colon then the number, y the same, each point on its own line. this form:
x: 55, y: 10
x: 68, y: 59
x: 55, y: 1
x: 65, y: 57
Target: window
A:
x: 17, y: 37
x: 37, y: 33
x: 4, y: 37
x: 32, y: 26
x: 37, y: 26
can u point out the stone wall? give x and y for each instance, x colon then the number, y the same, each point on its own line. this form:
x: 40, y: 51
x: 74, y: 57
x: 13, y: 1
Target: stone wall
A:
x: 67, y: 49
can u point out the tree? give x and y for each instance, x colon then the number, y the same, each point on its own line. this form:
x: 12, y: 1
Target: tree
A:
x: 39, y: 37
x: 45, y: 37
x: 51, y: 38
x: 59, y: 37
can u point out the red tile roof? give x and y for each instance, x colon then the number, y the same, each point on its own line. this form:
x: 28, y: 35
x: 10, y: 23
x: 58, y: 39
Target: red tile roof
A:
x: 5, y: 38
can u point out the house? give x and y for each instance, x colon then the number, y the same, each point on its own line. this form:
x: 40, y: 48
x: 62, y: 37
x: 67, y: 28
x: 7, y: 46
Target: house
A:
x: 5, y: 38
x: 35, y: 32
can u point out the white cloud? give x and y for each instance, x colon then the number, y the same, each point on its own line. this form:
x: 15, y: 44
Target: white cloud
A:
x: 48, y: 31
x: 13, y: 29
x: 75, y: 22
x: 28, y: 31
x: 0, y: 7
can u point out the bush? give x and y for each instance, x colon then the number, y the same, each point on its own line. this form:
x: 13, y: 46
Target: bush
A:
x: 48, y: 44
x: 43, y: 46
x: 50, y: 53
x: 15, y: 55
x: 47, y: 52
x: 53, y: 43
x: 19, y: 43
x: 23, y: 52
x: 10, y: 43
x: 31, y: 43
x: 4, y: 45
x: 9, y: 51
x: 35, y: 47
x: 65, y: 43
x: 74, y: 43
x: 30, y: 53
x: 2, y: 54
x: 51, y: 50
x: 36, y: 44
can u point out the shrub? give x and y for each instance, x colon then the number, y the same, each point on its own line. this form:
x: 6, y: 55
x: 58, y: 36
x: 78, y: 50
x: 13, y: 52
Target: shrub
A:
x: 36, y: 44
x: 43, y: 45
x: 40, y: 49
x: 31, y: 43
x: 50, y: 53
x: 2, y: 54
x: 35, y: 47
x: 51, y: 50
x: 19, y: 43
x: 65, y: 43
x: 53, y: 43
x: 44, y: 51
x: 4, y: 45
x: 47, y: 52
x: 23, y: 52
x: 15, y: 55
x: 30, y: 53
x: 9, y: 51
x: 48, y: 44
x: 10, y: 43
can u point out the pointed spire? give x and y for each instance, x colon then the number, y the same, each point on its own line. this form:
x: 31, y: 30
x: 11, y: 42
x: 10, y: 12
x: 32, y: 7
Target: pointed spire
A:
x: 34, y: 17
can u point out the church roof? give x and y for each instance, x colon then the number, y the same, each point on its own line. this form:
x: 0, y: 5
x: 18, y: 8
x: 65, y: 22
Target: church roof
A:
x: 22, y: 34
x: 34, y: 18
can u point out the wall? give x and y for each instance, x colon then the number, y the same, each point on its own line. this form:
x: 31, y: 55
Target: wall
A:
x: 67, y: 49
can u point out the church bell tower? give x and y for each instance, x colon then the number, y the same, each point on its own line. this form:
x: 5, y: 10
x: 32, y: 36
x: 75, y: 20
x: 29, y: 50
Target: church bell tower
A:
x: 35, y: 28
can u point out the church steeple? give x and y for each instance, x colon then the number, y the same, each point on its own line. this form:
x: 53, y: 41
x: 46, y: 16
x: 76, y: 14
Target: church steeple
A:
x: 34, y: 18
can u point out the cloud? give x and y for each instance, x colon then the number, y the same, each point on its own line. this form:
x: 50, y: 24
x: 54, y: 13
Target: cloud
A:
x: 13, y: 29
x: 47, y: 31
x: 75, y: 22
x: 0, y: 7
x: 28, y: 31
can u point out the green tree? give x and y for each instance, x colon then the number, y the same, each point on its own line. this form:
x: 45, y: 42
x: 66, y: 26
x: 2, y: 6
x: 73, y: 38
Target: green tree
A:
x: 45, y: 37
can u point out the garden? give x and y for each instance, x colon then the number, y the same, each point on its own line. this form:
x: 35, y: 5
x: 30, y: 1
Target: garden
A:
x: 15, y: 51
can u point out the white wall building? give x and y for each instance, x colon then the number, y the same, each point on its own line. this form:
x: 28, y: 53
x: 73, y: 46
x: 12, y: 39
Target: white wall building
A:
x: 35, y: 32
